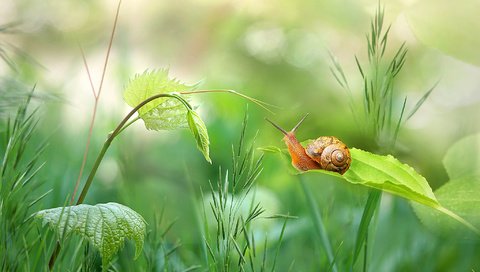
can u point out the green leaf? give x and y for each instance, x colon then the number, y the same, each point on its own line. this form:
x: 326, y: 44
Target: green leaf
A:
x: 450, y: 26
x: 463, y: 157
x: 374, y: 197
x: 385, y: 173
x: 161, y: 113
x: 199, y: 131
x: 318, y: 222
x: 388, y: 174
x: 106, y: 226
x: 459, y: 196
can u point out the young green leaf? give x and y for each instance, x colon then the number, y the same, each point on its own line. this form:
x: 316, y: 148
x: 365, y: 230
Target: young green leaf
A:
x: 106, y: 226
x: 161, y: 113
x: 199, y: 131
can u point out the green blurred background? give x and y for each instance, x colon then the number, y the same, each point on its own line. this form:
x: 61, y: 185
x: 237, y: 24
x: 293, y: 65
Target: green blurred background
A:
x: 275, y: 51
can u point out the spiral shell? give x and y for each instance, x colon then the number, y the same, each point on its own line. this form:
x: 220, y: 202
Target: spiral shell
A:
x: 330, y: 153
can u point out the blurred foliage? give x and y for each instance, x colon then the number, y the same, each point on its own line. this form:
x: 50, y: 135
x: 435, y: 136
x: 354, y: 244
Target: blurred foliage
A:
x: 460, y: 193
x: 276, y: 51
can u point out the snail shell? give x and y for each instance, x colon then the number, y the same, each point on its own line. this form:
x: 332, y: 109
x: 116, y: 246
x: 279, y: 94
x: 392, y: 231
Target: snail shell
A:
x: 331, y: 153
x: 326, y: 152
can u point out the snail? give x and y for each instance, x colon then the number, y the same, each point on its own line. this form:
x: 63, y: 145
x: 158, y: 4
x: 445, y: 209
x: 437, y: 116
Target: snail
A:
x: 326, y: 152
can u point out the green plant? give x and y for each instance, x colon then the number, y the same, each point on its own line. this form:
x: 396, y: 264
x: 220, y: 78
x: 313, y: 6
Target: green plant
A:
x: 381, y: 120
x: 8, y: 28
x: 162, y: 103
x: 235, y: 211
x: 19, y: 190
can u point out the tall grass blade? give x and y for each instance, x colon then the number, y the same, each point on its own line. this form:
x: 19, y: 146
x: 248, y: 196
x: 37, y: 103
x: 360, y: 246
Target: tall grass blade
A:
x: 318, y: 223
x: 400, y: 118
x: 335, y: 258
x: 279, y: 243
x: 373, y: 200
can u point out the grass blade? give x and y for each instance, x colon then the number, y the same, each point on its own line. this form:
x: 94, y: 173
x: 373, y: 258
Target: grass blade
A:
x: 318, y: 222
x: 421, y: 101
x: 279, y: 243
x: 374, y: 197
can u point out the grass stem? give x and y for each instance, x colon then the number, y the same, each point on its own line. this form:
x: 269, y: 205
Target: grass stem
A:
x: 318, y: 222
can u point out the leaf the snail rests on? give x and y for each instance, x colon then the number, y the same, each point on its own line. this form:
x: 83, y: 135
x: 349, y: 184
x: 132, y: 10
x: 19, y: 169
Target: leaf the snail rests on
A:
x: 326, y: 152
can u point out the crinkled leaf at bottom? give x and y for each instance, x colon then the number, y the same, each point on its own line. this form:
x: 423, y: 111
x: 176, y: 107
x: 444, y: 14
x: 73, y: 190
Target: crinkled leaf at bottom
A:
x: 106, y: 226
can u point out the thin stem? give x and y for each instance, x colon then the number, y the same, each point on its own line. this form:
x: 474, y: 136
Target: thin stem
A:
x: 96, y: 96
x: 85, y: 64
x: 129, y: 123
x: 260, y: 103
x: 90, y: 130
x: 109, y: 48
x: 365, y: 256
x: 112, y: 136
x: 85, y: 153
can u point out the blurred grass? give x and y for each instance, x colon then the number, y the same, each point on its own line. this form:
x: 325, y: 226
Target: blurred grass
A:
x: 276, y: 52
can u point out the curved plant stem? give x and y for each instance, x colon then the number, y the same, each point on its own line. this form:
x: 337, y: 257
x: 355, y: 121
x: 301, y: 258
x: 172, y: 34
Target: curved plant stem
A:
x: 125, y: 123
x: 96, y: 96
x: 129, y: 123
x: 120, y: 127
x: 116, y: 132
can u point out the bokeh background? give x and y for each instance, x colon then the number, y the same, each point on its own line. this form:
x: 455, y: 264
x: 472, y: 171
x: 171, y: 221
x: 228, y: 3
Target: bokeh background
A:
x: 275, y: 51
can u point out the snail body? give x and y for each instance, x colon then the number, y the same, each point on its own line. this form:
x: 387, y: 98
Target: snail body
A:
x: 326, y: 152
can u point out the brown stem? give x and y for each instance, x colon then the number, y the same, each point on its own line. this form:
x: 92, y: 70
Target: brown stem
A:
x: 95, y: 106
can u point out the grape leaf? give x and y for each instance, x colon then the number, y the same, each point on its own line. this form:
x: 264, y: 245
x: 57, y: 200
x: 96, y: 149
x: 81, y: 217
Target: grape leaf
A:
x: 199, y: 131
x: 162, y: 113
x: 106, y: 226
